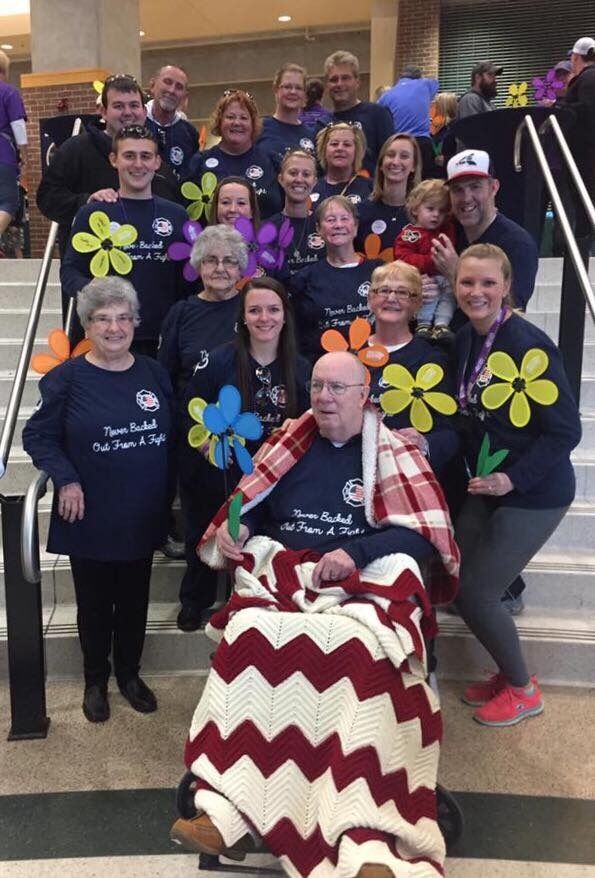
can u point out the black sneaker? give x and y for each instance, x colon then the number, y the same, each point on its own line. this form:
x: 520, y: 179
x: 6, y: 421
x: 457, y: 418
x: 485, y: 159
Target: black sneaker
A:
x: 424, y: 330
x: 189, y: 618
x: 138, y: 695
x: 95, y: 703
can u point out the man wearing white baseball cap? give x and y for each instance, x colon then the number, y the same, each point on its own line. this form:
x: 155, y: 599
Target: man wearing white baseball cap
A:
x: 473, y: 188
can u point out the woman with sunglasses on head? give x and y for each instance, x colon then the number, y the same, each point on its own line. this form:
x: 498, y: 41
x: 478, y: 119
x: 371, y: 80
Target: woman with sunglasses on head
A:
x: 297, y: 178
x: 236, y: 121
x: 384, y: 213
x: 394, y: 300
x: 341, y: 148
x: 262, y: 363
x: 283, y: 129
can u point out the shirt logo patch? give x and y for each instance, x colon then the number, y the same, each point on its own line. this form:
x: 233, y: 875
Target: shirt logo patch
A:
x: 212, y: 162
x: 353, y: 492
x: 364, y: 289
x: 410, y: 236
x: 484, y: 377
x: 147, y: 401
x: 279, y: 395
x: 315, y: 242
x: 355, y: 199
x: 202, y: 362
x: 176, y: 155
x: 162, y: 226
x: 254, y: 172
x: 314, y: 196
x: 306, y: 143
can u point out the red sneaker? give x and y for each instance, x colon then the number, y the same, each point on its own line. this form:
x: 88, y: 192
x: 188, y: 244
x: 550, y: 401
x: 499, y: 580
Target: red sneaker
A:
x: 510, y: 706
x: 480, y: 693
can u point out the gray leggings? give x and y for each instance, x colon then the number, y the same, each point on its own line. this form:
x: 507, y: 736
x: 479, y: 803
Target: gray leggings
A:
x: 496, y: 544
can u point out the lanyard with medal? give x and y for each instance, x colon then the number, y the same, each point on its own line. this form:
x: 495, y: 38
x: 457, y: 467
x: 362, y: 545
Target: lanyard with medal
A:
x: 465, y: 389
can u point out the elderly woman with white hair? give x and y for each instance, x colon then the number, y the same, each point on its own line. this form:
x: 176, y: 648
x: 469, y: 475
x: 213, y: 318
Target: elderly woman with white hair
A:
x: 103, y: 433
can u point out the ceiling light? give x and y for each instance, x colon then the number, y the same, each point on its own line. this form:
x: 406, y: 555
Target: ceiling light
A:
x: 284, y: 18
x: 7, y: 46
x: 141, y: 33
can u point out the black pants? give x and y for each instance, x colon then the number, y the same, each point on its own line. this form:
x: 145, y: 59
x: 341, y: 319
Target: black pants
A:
x: 112, y: 602
x: 428, y: 165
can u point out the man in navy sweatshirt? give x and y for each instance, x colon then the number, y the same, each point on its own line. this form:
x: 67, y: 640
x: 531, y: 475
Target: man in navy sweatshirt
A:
x: 177, y: 138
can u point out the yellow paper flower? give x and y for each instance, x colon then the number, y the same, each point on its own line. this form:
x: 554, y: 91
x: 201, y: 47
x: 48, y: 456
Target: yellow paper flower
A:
x: 416, y: 392
x: 523, y: 384
x: 200, y: 198
x: 517, y: 95
x: 104, y: 244
x: 199, y: 435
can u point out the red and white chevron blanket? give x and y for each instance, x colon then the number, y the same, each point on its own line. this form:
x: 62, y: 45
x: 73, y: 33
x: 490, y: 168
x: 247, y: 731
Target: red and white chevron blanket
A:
x: 316, y: 730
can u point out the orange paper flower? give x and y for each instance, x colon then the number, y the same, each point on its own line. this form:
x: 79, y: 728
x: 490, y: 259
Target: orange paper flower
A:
x: 372, y: 250
x: 60, y: 346
x: 374, y: 355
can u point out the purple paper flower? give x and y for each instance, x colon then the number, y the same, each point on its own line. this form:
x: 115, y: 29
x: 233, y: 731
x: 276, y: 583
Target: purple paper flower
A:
x: 181, y: 249
x: 546, y: 89
x: 266, y: 248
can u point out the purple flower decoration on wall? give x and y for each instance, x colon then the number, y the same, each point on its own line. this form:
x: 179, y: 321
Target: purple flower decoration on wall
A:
x: 266, y: 247
x: 547, y: 89
x: 180, y: 250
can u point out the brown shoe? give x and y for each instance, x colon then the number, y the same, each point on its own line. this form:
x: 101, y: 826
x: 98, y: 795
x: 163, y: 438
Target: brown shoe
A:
x: 201, y: 836
x: 375, y: 870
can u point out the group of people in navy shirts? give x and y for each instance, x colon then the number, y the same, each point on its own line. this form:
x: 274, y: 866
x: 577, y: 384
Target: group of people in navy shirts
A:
x: 295, y: 231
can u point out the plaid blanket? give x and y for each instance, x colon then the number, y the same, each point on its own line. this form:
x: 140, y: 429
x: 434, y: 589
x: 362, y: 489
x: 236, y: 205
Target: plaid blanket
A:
x: 316, y: 730
x: 399, y: 489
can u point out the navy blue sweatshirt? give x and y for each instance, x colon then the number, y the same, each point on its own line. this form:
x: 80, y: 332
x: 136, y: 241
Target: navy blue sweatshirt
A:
x: 191, y: 330
x: 325, y: 297
x: 357, y: 190
x: 538, y: 463
x: 376, y: 123
x: 254, y: 164
x: 443, y: 439
x: 157, y: 280
x: 112, y: 433
x: 380, y: 219
x: 319, y: 504
x: 178, y: 142
x: 306, y: 247
x: 278, y: 136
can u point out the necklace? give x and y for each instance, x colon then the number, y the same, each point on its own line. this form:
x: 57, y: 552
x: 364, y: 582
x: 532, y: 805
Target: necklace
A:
x: 464, y: 393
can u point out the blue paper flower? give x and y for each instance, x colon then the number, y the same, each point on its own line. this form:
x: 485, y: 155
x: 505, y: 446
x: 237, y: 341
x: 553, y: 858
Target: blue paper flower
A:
x: 233, y: 427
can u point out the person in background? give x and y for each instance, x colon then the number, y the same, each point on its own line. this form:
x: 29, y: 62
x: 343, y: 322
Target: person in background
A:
x: 262, y: 363
x: 177, y: 138
x: 409, y: 104
x: 234, y: 197
x: 284, y: 130
x: 13, y: 146
x: 297, y: 178
x: 330, y: 293
x: 384, y: 213
x: 192, y: 329
x: 104, y: 434
x: 484, y: 88
x: 341, y: 71
x: 313, y: 112
x: 428, y: 206
x: 236, y: 121
x: 340, y: 148
x: 443, y: 113
x: 514, y: 399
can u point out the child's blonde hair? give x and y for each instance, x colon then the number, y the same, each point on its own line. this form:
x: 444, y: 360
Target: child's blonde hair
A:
x: 427, y: 190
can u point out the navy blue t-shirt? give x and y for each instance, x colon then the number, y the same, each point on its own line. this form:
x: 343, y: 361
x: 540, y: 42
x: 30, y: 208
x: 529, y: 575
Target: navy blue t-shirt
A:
x: 191, y: 330
x: 443, y: 439
x: 157, y: 280
x: 178, y: 142
x: 278, y: 136
x: 112, y: 433
x: 306, y: 246
x: 325, y: 297
x: 520, y: 248
x: 376, y: 123
x: 319, y: 504
x: 357, y: 190
x: 538, y: 463
x: 254, y: 164
x: 378, y: 218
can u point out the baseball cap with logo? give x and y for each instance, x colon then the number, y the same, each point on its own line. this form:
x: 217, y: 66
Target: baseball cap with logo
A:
x: 469, y: 163
x: 584, y: 46
x: 486, y: 67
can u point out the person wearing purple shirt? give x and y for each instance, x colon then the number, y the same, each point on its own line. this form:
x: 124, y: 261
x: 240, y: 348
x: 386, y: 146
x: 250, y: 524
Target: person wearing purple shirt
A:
x: 13, y: 144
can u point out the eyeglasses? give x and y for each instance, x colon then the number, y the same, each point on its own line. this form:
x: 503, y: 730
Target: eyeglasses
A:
x: 102, y: 320
x: 335, y: 388
x: 400, y: 294
x: 215, y: 262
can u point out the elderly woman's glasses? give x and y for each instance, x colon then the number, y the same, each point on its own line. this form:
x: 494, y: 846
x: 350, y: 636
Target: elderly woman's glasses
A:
x: 335, y: 388
x: 401, y: 295
x: 103, y: 321
x: 215, y: 262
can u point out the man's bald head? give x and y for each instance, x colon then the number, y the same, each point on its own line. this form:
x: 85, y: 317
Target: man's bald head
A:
x: 339, y: 392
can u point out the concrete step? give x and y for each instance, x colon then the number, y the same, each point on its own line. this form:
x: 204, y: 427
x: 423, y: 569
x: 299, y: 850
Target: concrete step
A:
x: 558, y: 647
x: 548, y: 321
x: 14, y: 321
x: 10, y: 351
x: 549, y: 270
x: 19, y: 295
x: 560, y: 581
x: 27, y: 270
x: 30, y: 390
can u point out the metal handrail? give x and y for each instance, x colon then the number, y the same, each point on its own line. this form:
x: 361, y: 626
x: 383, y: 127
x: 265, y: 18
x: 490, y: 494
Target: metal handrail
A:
x: 579, y: 267
x: 552, y: 122
x: 29, y: 536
